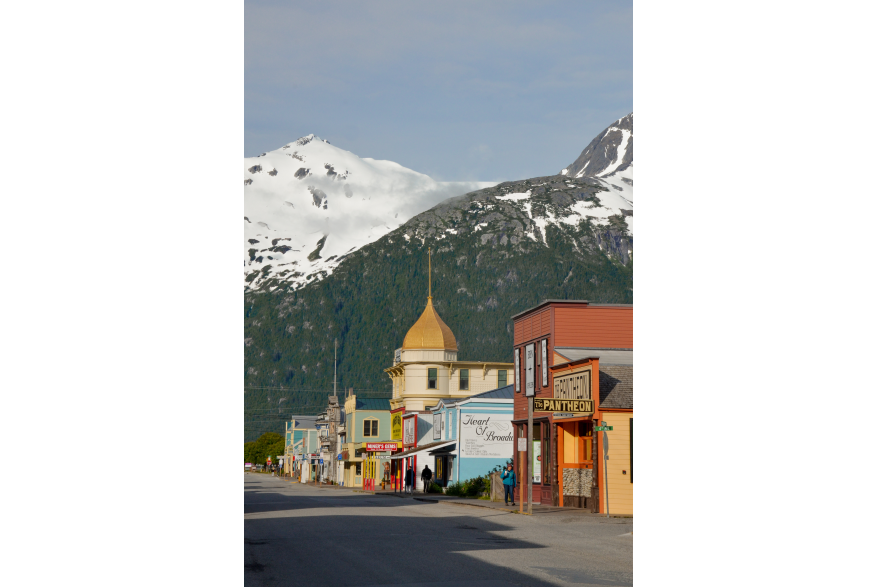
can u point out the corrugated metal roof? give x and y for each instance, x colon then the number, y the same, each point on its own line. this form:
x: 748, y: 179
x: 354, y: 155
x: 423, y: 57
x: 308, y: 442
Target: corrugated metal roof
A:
x: 372, y: 403
x: 606, y: 356
x: 507, y: 392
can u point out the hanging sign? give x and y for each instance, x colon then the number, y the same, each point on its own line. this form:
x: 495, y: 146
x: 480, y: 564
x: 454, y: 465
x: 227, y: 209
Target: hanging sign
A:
x: 545, y: 362
x: 517, y: 370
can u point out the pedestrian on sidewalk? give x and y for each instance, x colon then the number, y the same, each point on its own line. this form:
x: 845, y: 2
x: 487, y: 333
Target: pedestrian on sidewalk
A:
x: 409, y: 479
x: 509, y: 482
x: 426, y: 476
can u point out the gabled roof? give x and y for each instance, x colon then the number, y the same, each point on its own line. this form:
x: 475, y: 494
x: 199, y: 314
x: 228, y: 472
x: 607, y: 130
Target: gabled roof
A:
x: 304, y: 421
x: 507, y: 392
x: 616, y: 386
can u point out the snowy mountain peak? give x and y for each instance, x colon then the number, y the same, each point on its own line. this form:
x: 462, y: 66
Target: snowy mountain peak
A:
x: 309, y: 204
x: 307, y: 139
x: 610, y: 153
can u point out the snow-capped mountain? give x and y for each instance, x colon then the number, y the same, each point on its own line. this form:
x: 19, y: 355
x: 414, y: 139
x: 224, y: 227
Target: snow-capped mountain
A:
x: 495, y: 252
x: 609, y: 160
x: 309, y: 204
x: 610, y: 153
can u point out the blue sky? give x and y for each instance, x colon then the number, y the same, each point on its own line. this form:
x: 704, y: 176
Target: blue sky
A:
x: 486, y: 91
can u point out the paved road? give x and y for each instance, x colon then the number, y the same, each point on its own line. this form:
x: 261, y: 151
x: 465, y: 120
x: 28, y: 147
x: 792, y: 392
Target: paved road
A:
x: 302, y: 535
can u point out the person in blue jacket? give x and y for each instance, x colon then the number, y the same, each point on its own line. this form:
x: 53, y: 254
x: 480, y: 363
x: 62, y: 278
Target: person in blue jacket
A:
x: 509, y: 482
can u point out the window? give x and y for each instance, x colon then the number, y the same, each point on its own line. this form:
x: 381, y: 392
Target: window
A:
x: 464, y: 378
x: 577, y: 441
x: 502, y: 378
x: 370, y: 428
x: 432, y: 379
x: 358, y: 469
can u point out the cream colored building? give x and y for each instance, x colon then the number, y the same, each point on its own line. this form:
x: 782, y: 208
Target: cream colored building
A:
x: 426, y: 370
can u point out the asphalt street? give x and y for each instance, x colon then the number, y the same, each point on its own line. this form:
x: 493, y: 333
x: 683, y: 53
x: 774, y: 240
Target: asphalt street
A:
x: 298, y: 534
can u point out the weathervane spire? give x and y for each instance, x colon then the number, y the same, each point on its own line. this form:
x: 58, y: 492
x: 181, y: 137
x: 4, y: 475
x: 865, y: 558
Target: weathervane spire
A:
x: 429, y: 252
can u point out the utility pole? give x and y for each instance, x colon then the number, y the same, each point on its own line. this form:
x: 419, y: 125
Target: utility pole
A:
x: 529, y: 456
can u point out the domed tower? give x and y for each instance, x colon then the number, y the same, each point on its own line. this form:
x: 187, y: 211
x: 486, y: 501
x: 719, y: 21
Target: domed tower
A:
x: 426, y: 369
x: 429, y: 339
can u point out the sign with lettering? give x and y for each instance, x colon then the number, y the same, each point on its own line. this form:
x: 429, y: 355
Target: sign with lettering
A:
x: 574, y: 406
x: 575, y: 386
x: 409, y: 430
x: 437, y: 426
x: 522, y: 444
x: 381, y: 446
x: 530, y: 389
x: 488, y: 435
x: 396, y: 427
x: 545, y: 363
x: 517, y: 370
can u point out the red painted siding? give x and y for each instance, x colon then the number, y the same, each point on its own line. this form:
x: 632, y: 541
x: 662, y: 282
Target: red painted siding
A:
x: 533, y: 326
x: 593, y: 327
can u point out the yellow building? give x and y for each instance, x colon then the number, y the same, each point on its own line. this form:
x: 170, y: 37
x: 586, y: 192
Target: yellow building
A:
x: 426, y: 370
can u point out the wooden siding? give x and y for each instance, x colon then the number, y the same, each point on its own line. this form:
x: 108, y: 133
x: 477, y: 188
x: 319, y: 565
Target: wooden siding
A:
x: 592, y: 327
x: 533, y: 326
x: 620, y: 487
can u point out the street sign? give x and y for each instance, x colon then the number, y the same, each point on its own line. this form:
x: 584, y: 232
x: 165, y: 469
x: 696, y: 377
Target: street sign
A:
x: 339, y: 458
x: 602, y: 428
x: 321, y: 461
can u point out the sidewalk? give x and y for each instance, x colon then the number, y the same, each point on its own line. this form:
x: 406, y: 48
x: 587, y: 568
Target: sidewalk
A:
x: 538, y: 509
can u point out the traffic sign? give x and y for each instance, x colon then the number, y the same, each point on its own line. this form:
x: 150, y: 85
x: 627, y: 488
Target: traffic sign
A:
x: 321, y: 461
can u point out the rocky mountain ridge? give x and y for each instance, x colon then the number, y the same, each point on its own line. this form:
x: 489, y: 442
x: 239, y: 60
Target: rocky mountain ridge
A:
x: 609, y: 154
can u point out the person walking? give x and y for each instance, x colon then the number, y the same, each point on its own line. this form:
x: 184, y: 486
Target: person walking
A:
x: 509, y: 482
x: 409, y: 479
x: 426, y: 476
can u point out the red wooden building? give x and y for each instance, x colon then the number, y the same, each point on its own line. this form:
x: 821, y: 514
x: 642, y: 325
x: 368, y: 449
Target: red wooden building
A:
x: 567, y: 350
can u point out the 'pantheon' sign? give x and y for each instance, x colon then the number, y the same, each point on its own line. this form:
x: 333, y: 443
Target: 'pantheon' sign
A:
x: 571, y: 406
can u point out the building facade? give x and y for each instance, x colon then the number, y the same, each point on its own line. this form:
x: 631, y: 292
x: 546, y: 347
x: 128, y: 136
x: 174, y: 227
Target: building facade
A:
x: 481, y: 431
x: 426, y: 369
x: 576, y: 359
x: 368, y: 443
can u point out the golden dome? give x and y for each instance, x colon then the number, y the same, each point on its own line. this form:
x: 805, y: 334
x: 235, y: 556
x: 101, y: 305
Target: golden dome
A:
x: 429, y: 332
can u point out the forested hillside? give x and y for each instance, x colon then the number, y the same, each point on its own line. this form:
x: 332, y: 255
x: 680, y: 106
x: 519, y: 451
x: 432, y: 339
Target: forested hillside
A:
x: 496, y: 252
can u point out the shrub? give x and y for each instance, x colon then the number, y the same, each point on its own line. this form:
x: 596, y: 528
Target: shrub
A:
x: 470, y: 488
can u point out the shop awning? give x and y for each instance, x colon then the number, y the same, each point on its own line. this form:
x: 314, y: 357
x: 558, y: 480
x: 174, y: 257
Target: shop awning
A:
x: 426, y: 447
x: 444, y: 450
